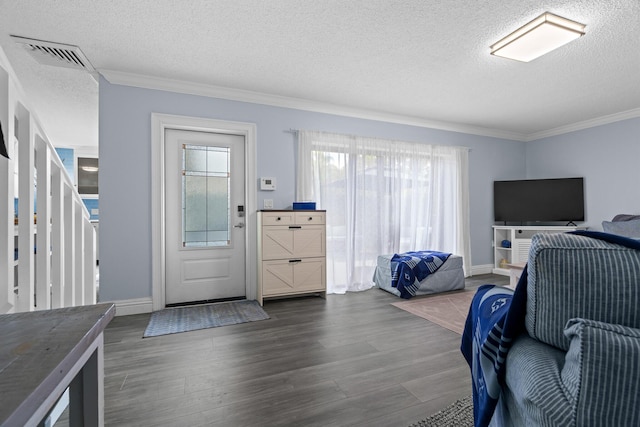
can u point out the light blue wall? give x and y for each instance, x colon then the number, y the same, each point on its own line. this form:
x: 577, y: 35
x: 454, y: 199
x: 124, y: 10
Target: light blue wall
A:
x: 125, y: 170
x: 607, y: 156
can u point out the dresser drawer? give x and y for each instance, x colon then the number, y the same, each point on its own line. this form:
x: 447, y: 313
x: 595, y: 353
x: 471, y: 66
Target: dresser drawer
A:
x: 302, y: 218
x: 293, y: 241
x: 278, y: 218
x: 287, y: 277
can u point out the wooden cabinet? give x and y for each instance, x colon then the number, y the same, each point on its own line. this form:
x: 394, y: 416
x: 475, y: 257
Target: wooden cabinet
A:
x: 291, y: 253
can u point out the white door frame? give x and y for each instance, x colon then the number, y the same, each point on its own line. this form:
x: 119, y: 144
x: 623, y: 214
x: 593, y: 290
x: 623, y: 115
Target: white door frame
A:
x: 160, y: 122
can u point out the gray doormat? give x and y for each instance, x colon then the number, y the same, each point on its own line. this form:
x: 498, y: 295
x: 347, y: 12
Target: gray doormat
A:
x: 191, y: 318
x: 458, y: 414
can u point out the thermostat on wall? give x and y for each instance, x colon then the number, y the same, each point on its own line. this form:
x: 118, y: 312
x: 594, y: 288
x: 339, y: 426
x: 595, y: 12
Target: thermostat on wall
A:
x: 267, y: 183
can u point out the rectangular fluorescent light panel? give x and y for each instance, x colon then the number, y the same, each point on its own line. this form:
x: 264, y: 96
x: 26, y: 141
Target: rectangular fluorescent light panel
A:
x: 542, y: 35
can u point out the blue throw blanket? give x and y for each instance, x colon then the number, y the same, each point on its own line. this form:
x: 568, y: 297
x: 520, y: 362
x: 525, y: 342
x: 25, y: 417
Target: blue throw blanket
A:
x: 495, y: 319
x: 409, y: 268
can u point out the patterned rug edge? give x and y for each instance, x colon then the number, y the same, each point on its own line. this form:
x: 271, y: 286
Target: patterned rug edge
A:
x: 192, y: 318
x: 458, y: 414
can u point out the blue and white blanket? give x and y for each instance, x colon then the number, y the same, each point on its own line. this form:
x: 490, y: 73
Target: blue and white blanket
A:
x: 409, y: 268
x: 495, y: 319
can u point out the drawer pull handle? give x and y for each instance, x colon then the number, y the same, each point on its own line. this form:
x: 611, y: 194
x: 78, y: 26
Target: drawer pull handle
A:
x: 310, y: 218
x: 295, y: 226
x: 295, y: 260
x: 278, y: 219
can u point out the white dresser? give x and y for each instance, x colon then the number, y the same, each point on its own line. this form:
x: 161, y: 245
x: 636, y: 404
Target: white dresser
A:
x: 291, y: 253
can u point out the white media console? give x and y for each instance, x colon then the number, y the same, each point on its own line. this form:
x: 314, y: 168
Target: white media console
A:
x: 520, y: 242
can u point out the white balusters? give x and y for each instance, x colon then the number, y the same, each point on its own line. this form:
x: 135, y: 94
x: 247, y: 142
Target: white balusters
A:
x: 26, y: 228
x: 54, y: 238
x: 43, y: 227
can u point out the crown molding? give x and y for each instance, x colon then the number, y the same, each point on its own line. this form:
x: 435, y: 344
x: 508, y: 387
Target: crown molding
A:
x: 158, y: 83
x: 171, y: 85
x: 586, y: 124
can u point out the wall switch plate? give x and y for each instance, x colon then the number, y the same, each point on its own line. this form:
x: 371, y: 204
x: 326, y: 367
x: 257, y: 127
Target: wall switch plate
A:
x: 268, y: 203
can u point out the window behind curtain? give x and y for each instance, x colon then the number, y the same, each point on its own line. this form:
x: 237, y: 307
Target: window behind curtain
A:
x: 382, y: 197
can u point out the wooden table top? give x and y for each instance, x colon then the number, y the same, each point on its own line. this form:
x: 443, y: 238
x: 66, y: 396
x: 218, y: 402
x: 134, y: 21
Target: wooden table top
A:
x: 38, y: 349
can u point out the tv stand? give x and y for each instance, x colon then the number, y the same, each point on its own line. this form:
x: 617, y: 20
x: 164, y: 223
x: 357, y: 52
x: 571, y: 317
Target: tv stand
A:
x: 519, y: 238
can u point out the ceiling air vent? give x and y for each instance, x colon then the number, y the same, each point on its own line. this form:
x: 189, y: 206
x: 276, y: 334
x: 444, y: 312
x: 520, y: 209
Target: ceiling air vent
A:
x: 55, y: 54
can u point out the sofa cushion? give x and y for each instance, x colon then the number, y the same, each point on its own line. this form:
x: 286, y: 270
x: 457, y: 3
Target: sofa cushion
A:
x: 625, y: 217
x: 602, y: 368
x: 630, y: 228
x: 572, y: 276
x: 595, y: 383
x: 533, y: 393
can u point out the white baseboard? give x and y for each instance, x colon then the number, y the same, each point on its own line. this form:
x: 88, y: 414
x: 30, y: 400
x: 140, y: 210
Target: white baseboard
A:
x: 145, y: 305
x: 481, y: 269
x: 133, y: 306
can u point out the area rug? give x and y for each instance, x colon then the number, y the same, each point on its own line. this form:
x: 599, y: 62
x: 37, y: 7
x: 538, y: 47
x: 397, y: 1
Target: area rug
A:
x: 458, y: 414
x: 191, y: 318
x: 447, y: 310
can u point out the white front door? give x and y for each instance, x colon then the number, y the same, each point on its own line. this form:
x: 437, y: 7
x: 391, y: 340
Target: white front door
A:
x: 204, y: 216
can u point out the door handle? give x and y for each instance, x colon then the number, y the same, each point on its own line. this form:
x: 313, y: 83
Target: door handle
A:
x: 240, y: 225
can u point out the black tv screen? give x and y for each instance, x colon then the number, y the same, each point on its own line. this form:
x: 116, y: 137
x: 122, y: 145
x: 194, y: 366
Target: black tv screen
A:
x: 539, y: 200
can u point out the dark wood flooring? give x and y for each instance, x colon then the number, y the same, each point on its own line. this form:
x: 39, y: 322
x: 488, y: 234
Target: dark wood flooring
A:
x: 349, y: 360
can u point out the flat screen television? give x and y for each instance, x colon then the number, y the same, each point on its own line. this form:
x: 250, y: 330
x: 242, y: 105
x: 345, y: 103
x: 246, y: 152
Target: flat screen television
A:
x: 539, y: 200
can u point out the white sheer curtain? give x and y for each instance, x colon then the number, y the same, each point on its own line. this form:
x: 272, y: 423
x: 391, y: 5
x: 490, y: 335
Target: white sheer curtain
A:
x: 383, y: 197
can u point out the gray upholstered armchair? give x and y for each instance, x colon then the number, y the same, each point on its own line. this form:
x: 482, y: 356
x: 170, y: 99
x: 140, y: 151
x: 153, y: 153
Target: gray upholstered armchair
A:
x: 578, y: 363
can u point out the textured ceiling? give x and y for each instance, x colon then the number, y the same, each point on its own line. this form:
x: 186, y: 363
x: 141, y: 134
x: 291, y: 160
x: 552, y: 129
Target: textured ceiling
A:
x: 427, y: 61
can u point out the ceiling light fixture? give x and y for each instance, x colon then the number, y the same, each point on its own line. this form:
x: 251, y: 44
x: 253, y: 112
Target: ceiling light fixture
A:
x: 540, y: 36
x: 89, y: 168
